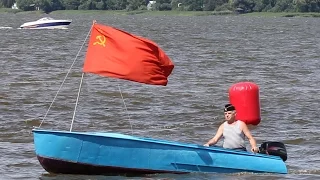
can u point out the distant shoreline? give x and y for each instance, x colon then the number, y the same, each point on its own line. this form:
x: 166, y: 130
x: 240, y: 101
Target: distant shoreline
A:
x: 164, y: 13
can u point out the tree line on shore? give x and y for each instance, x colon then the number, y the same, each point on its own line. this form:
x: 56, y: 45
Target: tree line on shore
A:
x: 245, y: 6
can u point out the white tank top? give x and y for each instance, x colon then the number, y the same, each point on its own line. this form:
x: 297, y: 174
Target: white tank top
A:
x: 233, y: 136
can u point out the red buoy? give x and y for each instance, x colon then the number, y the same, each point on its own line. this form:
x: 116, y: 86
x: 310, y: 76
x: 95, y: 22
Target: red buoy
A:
x: 245, y: 97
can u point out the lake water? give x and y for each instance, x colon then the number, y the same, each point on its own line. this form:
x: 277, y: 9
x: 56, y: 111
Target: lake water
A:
x: 211, y: 53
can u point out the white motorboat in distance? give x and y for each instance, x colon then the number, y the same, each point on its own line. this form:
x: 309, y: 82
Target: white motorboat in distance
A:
x: 46, y: 23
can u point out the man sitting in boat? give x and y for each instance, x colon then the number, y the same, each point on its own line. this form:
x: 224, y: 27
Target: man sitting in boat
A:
x: 233, y: 132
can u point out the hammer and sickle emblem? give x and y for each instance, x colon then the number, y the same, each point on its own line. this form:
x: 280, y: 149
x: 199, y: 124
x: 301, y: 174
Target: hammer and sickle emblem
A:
x: 101, y: 40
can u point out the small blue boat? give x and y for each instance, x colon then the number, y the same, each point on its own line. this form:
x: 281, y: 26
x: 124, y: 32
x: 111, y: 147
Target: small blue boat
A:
x: 113, y: 153
x: 110, y: 53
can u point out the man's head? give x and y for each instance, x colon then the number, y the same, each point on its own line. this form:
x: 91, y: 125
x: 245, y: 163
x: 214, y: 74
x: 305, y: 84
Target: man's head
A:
x: 229, y: 112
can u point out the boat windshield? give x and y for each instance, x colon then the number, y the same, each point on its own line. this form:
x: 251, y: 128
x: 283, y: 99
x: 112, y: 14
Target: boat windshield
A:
x: 45, y: 19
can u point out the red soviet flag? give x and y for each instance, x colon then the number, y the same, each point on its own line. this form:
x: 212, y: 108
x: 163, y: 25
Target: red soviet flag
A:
x: 119, y: 54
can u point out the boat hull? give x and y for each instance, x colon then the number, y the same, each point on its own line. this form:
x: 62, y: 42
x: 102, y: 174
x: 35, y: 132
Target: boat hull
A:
x: 113, y: 153
x: 65, y: 167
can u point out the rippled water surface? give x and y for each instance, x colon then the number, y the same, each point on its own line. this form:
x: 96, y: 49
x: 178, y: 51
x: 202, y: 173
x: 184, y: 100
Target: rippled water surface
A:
x: 210, y: 53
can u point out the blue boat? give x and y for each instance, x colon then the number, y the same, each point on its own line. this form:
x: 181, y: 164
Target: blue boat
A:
x: 113, y: 153
x: 109, y: 54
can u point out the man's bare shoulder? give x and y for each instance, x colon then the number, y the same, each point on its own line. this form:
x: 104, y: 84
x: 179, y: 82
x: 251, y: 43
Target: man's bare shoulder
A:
x: 242, y: 124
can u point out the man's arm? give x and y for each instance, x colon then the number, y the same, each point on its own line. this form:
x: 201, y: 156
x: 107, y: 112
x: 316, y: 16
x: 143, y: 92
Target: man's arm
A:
x: 216, y: 138
x: 252, y: 141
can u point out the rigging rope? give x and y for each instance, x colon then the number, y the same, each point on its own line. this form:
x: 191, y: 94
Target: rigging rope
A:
x: 125, y: 106
x: 75, y: 107
x: 65, y: 77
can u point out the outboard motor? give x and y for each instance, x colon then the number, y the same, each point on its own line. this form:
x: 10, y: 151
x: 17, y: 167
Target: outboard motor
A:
x: 274, y: 148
